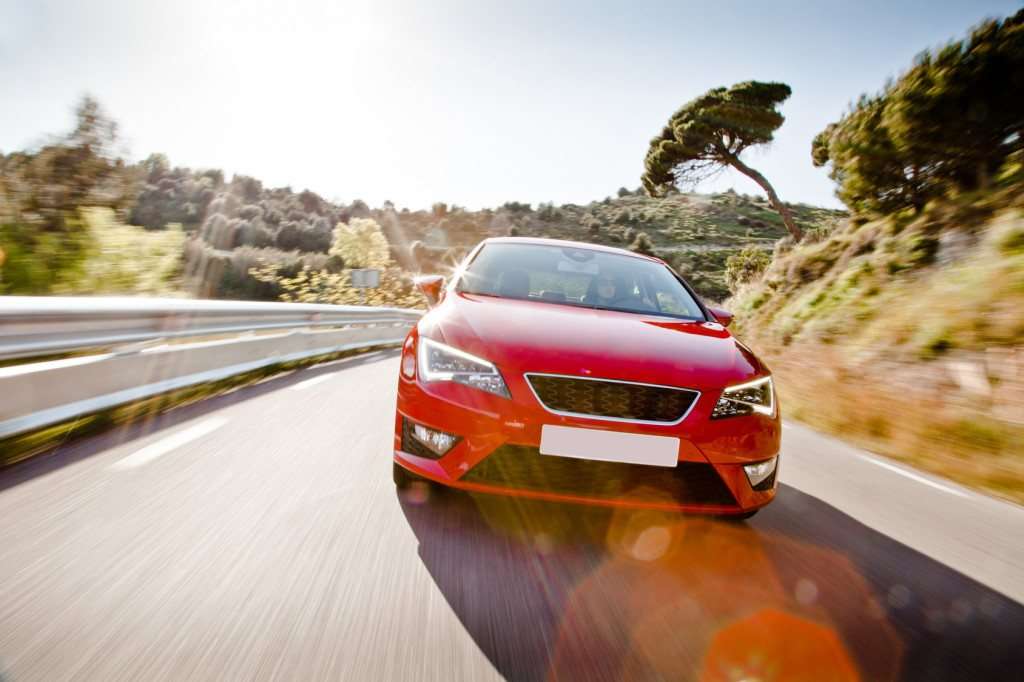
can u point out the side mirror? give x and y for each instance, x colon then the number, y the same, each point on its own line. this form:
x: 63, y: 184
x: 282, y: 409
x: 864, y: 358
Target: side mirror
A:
x: 724, y: 317
x: 431, y: 286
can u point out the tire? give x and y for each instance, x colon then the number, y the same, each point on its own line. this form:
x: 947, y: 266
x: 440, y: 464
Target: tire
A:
x: 405, y: 479
x: 401, y: 477
x: 740, y: 518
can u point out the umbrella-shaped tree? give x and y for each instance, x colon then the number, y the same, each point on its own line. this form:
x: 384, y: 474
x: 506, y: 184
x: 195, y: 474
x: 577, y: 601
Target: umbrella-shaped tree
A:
x: 711, y: 132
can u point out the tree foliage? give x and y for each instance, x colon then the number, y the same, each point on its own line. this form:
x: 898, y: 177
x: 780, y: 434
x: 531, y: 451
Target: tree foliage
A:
x: 361, y: 244
x: 172, y: 195
x: 128, y: 260
x: 711, y: 132
x: 240, y: 214
x: 947, y: 125
x: 321, y: 286
x: 45, y: 238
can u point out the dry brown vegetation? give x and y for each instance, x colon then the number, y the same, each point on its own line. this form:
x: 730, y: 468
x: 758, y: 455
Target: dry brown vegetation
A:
x: 906, y: 335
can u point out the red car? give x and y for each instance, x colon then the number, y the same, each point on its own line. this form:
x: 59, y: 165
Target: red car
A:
x: 581, y: 373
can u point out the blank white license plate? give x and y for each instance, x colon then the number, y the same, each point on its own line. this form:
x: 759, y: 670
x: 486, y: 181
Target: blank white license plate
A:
x: 609, y: 446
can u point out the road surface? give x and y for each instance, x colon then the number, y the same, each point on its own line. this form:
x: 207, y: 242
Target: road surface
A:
x: 257, y: 536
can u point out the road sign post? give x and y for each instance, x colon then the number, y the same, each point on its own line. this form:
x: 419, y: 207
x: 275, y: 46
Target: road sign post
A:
x: 363, y: 279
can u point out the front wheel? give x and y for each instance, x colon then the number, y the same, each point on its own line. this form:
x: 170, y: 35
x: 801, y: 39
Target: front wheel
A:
x: 401, y: 477
x: 739, y: 518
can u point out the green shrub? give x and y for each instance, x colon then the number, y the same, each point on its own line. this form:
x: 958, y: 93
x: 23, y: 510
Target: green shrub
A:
x: 642, y: 244
x: 745, y: 266
x: 1009, y: 236
x: 37, y: 261
x: 124, y: 259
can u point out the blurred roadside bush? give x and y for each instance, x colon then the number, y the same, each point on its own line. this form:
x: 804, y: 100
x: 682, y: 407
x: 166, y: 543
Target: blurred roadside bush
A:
x: 358, y: 244
x: 46, y: 240
x: 127, y: 260
x: 745, y: 266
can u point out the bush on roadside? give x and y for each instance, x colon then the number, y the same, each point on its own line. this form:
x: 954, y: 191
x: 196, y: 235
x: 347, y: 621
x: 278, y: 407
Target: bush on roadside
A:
x: 745, y: 266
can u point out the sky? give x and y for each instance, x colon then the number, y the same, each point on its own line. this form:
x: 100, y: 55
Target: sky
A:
x: 473, y: 103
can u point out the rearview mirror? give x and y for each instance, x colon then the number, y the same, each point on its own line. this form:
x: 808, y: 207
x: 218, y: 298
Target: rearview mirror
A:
x: 724, y: 317
x: 431, y: 286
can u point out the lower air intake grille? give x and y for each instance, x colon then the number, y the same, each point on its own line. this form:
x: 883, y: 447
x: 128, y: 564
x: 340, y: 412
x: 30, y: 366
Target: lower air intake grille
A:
x: 612, y: 399
x: 518, y: 466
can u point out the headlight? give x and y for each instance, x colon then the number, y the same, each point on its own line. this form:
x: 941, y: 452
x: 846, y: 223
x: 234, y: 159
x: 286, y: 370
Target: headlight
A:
x: 438, y: 362
x: 754, y: 396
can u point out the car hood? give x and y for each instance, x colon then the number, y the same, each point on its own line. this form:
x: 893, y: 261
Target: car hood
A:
x: 527, y: 336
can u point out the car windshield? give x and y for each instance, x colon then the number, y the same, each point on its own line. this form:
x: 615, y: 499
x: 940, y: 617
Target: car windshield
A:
x: 579, y: 277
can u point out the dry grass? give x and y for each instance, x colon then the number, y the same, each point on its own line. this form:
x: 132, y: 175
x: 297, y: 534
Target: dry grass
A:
x: 917, y: 414
x: 906, y: 336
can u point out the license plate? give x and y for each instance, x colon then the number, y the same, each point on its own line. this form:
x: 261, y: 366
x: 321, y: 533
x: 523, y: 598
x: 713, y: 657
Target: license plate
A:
x: 609, y: 446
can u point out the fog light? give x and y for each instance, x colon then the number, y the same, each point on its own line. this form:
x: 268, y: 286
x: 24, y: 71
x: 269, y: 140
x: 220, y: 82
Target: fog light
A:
x: 762, y: 474
x: 437, y: 442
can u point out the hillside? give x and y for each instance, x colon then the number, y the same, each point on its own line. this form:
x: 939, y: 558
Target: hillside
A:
x: 230, y: 228
x: 910, y: 325
x: 239, y: 225
x: 902, y: 328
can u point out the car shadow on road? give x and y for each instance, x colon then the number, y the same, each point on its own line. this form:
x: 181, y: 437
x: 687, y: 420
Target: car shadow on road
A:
x: 802, y: 591
x: 77, y: 449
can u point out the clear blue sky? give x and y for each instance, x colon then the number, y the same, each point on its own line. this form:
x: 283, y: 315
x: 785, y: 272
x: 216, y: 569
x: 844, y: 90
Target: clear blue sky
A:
x: 473, y: 102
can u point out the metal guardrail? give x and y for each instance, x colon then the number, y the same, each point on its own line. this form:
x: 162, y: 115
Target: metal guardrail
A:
x: 128, y: 349
x: 32, y: 326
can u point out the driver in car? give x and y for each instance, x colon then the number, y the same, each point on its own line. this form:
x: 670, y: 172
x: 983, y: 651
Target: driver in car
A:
x: 608, y: 292
x: 605, y: 290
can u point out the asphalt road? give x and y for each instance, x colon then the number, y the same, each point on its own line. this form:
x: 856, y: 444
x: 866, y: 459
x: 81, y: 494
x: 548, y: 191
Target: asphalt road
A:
x: 258, y: 536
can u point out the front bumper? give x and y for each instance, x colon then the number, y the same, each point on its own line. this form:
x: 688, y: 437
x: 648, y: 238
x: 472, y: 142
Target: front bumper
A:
x: 498, y: 452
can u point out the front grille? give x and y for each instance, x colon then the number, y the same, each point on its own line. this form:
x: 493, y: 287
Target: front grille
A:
x: 603, y: 398
x: 524, y: 467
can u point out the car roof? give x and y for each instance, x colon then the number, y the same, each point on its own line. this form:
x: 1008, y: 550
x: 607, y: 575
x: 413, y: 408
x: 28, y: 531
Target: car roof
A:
x: 567, y: 243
